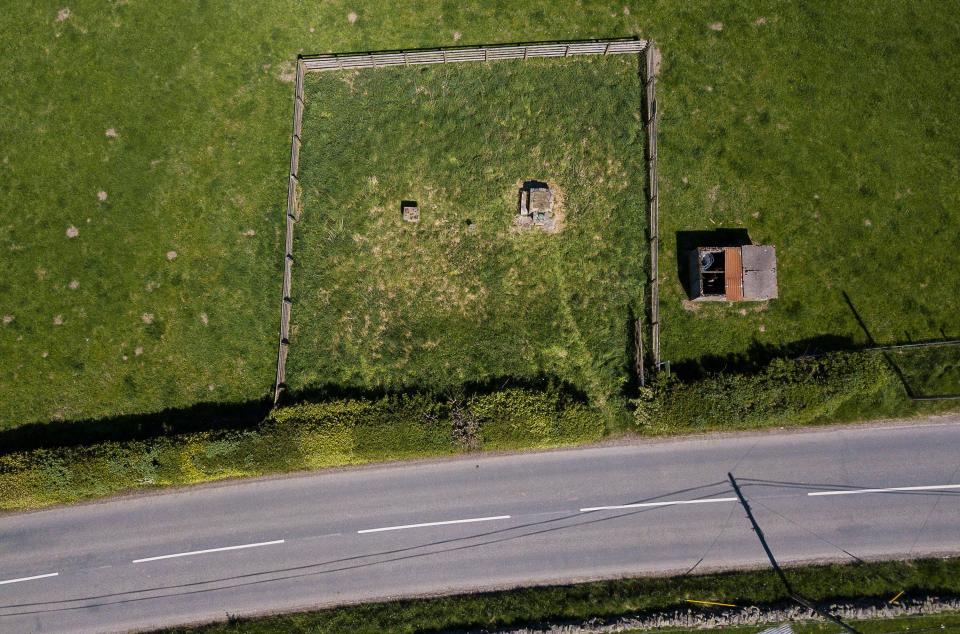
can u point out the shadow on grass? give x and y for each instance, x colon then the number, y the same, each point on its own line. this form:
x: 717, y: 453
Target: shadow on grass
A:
x: 204, y: 417
x: 197, y: 418
x: 759, y: 355
x: 541, y: 382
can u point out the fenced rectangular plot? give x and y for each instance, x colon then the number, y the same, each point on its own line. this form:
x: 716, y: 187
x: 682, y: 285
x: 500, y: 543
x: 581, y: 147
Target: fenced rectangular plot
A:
x: 464, y: 295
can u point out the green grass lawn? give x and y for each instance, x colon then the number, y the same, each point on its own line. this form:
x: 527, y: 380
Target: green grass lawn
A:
x: 817, y: 117
x: 828, y: 130
x: 464, y: 296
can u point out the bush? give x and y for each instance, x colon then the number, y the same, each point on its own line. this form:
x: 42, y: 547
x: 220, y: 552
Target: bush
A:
x: 787, y: 392
x: 305, y: 436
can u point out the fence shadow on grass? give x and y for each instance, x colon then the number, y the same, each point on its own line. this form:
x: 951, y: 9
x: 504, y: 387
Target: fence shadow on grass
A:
x: 759, y: 355
x: 196, y: 418
x: 330, y: 391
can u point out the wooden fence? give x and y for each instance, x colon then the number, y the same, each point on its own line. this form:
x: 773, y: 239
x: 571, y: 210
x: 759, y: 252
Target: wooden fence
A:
x: 653, y: 203
x: 291, y: 217
x: 347, y: 61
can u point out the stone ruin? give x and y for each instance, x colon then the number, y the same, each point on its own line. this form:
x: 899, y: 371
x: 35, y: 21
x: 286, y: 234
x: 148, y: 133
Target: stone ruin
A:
x: 536, y: 207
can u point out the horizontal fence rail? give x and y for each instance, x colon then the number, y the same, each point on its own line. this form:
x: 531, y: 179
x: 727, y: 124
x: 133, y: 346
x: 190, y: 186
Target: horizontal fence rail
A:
x: 348, y: 61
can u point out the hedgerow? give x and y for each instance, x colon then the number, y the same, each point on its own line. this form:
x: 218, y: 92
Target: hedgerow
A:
x: 786, y: 392
x: 299, y: 437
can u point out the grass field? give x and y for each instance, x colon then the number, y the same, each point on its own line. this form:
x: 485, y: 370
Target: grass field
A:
x: 838, y: 144
x: 818, y: 117
x: 464, y: 296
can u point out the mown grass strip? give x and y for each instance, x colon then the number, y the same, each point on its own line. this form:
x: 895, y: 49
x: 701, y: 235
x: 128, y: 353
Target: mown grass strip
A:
x: 607, y: 599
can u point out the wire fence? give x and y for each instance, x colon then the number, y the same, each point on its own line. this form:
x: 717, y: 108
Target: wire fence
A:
x: 385, y: 59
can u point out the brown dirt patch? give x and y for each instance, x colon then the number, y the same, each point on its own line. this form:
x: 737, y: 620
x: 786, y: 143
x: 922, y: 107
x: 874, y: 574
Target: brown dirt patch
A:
x: 147, y: 318
x: 690, y: 306
x: 288, y: 72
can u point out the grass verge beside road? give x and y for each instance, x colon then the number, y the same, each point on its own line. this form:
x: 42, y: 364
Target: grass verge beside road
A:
x: 608, y: 599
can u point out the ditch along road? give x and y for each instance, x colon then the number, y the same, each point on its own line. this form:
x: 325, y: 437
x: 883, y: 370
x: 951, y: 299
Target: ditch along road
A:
x: 485, y: 521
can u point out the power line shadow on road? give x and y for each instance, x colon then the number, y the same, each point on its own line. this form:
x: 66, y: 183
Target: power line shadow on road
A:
x: 354, y: 562
x: 840, y: 488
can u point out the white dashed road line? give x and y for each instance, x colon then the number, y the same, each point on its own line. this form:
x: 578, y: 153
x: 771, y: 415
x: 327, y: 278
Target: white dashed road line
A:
x: 208, y: 550
x: 932, y: 487
x: 49, y: 574
x: 444, y: 523
x: 641, y: 505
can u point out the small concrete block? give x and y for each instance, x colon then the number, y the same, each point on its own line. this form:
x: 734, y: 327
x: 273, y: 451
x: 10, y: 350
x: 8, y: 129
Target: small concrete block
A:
x: 760, y: 285
x: 411, y: 212
x: 758, y: 257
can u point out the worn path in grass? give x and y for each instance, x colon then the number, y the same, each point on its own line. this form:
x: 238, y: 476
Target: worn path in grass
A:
x: 480, y: 522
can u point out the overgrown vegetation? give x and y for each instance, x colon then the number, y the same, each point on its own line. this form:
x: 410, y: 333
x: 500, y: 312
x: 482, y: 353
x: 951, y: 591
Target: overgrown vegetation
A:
x: 309, y: 436
x: 351, y: 431
x: 464, y: 296
x: 785, y: 393
x: 841, y: 386
x: 610, y: 599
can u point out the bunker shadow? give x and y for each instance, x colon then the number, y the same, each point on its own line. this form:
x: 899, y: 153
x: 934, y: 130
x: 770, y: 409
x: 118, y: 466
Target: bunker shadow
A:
x: 538, y: 383
x: 129, y: 427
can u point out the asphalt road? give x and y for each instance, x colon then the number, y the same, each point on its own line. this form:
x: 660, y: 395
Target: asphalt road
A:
x: 354, y: 535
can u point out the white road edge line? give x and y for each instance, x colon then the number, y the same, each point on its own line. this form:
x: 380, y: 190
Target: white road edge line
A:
x: 444, y: 523
x: 650, y: 504
x: 208, y: 550
x: 932, y: 487
x: 49, y: 574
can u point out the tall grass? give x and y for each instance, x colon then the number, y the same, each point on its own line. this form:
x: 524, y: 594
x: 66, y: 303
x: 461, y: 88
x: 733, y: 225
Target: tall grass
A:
x: 464, y: 297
